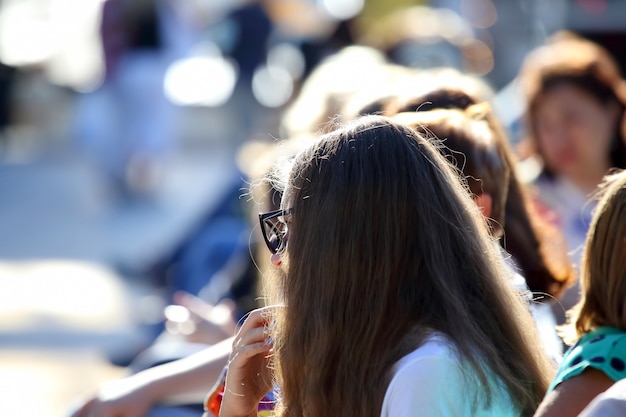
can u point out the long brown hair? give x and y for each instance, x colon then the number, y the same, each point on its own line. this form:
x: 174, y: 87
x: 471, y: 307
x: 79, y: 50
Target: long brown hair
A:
x: 537, y: 247
x: 469, y: 144
x: 384, y: 244
x: 603, y: 269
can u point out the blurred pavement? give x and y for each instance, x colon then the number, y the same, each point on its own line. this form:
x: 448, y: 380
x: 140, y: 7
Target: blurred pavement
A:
x: 63, y: 308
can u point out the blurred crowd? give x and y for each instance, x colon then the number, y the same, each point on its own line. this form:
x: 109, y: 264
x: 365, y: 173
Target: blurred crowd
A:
x: 526, y: 99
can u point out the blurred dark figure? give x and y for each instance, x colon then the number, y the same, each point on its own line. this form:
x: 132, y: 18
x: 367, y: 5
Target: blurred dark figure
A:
x: 212, y: 256
x: 7, y: 76
x: 316, y: 50
x: 250, y: 28
x: 128, y: 125
x: 249, y: 50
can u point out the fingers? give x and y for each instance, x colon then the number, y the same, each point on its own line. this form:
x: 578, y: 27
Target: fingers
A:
x: 259, y: 317
x: 256, y: 335
x: 249, y: 377
x: 247, y: 352
x: 252, y: 339
x: 250, y: 343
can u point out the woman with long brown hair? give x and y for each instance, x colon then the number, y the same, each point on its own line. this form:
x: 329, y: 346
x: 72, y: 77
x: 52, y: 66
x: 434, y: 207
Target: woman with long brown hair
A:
x: 537, y: 247
x: 476, y: 143
x: 383, y: 268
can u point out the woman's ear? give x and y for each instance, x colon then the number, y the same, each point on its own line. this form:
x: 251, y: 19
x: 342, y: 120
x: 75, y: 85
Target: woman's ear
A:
x: 483, y: 201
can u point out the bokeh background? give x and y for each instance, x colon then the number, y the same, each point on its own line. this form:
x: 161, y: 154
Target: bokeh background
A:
x: 81, y: 224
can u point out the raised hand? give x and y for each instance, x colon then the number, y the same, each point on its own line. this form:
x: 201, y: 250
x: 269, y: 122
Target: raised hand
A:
x: 249, y: 377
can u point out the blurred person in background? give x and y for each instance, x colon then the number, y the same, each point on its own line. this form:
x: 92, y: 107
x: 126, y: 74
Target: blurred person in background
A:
x: 7, y: 78
x: 476, y: 149
x: 576, y: 99
x: 132, y: 126
x: 596, y: 327
x: 537, y: 247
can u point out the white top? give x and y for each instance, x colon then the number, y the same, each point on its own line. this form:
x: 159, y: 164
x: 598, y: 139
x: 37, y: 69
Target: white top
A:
x: 573, y: 209
x: 429, y: 382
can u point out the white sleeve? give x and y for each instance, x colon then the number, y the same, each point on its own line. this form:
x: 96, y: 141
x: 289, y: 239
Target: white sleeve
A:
x: 430, y: 387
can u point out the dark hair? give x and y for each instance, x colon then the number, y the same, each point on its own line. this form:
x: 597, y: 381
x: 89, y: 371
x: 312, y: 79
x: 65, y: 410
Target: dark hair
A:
x: 384, y: 244
x: 440, y: 98
x: 571, y: 60
x: 537, y: 247
x: 469, y: 144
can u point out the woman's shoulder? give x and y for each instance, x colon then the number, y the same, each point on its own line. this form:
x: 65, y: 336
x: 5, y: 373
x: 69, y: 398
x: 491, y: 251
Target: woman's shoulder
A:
x: 435, y: 346
x: 433, y: 360
x: 425, y: 381
x: 432, y: 380
x: 603, y: 349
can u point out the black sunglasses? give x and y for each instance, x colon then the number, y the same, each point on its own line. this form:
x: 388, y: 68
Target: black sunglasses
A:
x: 274, y: 229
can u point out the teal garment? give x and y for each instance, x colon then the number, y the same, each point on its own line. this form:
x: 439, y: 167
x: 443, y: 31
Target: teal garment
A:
x: 603, y: 349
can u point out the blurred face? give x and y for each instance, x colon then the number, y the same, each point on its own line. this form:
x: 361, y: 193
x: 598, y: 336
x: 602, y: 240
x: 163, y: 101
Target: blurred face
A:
x: 574, y: 131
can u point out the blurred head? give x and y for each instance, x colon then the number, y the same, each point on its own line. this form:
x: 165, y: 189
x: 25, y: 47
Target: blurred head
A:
x: 470, y: 145
x: 330, y: 85
x: 603, y: 271
x: 429, y: 37
x: 444, y: 88
x: 384, y: 242
x: 536, y: 246
x: 576, y: 99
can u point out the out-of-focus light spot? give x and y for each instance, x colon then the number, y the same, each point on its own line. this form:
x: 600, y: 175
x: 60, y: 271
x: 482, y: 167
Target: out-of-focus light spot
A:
x: 349, y: 75
x: 452, y: 26
x: 75, y: 30
x: 25, y: 34
x: 481, y: 14
x: 200, y: 81
x: 60, y: 34
x: 178, y: 320
x: 487, y: 37
x: 289, y: 57
x: 343, y: 9
x: 177, y: 313
x: 478, y: 57
x: 272, y: 86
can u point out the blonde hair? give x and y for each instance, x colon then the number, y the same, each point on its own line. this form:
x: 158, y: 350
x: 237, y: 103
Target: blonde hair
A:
x: 603, y: 269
